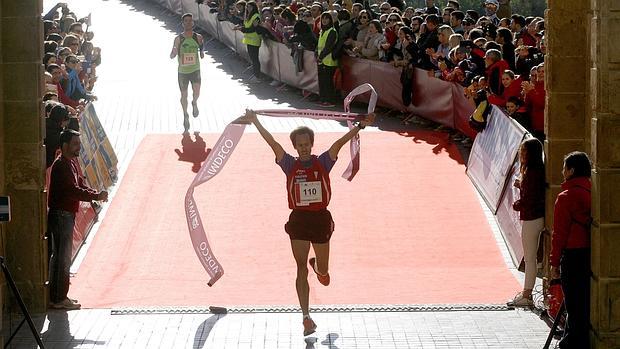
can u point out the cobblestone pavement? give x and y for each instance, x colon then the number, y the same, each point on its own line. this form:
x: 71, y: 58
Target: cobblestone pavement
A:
x: 138, y: 95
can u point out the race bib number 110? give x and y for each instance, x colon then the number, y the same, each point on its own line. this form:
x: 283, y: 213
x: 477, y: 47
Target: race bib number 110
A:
x: 308, y: 193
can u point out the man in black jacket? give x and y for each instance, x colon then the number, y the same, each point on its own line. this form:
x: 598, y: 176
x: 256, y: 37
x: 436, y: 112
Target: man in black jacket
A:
x: 429, y: 39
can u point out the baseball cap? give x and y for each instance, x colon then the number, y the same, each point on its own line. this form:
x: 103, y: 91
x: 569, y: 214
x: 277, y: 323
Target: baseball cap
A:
x: 493, y: 2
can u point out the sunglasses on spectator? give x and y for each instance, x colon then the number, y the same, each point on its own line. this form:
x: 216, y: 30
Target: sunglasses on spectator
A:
x: 363, y: 17
x: 385, y: 9
x: 73, y: 61
x: 394, y: 20
x: 74, y: 44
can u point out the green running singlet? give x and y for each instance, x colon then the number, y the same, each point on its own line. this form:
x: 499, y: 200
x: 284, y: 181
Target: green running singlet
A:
x: 188, y: 54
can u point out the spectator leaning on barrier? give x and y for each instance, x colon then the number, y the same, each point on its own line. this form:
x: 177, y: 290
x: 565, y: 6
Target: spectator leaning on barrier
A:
x: 328, y: 39
x: 514, y: 109
x: 570, y: 248
x: 370, y: 48
x: 74, y: 88
x: 511, y: 88
x: 56, y: 72
x: 67, y: 188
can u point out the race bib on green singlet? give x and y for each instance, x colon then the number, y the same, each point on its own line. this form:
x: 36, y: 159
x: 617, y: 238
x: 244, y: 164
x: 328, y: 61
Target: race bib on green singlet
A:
x: 188, y: 59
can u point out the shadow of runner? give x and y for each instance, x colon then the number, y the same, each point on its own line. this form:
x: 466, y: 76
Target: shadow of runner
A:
x: 203, y: 331
x: 193, y: 151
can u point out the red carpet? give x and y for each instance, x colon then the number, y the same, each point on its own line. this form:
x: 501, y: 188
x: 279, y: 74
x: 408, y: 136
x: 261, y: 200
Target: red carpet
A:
x: 414, y: 232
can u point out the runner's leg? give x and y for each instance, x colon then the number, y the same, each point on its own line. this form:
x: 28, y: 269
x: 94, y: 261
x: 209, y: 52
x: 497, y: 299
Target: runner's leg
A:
x: 301, y: 248
x: 195, y: 95
x: 322, y: 257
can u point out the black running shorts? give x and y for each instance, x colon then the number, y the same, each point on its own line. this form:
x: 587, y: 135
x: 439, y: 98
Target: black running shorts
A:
x: 185, y: 79
x: 313, y: 226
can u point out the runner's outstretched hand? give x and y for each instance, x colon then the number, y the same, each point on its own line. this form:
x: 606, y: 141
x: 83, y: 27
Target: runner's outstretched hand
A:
x: 368, y: 120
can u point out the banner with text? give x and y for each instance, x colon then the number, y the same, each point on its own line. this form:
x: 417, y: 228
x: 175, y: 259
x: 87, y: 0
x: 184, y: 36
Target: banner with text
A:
x: 222, y: 151
x: 492, y: 156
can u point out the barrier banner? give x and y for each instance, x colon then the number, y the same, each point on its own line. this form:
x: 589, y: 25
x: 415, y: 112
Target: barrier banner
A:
x: 97, y: 157
x: 98, y: 164
x: 508, y: 219
x: 222, y: 151
x: 493, y: 155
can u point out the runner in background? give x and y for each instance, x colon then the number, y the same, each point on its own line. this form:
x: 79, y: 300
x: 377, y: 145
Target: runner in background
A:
x: 309, y: 192
x: 187, y: 46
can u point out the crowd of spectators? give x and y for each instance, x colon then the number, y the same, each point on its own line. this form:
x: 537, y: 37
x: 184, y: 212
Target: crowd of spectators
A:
x: 473, y: 47
x: 70, y: 61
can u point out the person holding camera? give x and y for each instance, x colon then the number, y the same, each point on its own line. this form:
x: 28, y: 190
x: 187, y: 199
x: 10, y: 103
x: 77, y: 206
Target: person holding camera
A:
x: 188, y: 47
x: 66, y: 189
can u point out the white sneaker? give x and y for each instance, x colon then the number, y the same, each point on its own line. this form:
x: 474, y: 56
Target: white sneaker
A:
x: 520, y: 301
x: 274, y: 83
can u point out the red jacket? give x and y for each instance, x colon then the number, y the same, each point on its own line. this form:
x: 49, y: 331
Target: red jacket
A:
x: 531, y: 204
x: 514, y: 89
x: 67, y: 186
x: 494, y: 76
x: 571, y: 218
x: 535, y: 105
x: 64, y: 99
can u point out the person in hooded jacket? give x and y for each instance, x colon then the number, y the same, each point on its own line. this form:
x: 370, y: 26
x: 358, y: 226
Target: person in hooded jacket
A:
x: 570, y: 248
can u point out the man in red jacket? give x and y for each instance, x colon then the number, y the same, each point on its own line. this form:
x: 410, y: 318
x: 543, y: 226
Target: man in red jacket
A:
x: 570, y: 248
x: 66, y: 189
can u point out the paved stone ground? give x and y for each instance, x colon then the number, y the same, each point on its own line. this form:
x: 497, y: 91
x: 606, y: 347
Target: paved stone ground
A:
x: 140, y: 96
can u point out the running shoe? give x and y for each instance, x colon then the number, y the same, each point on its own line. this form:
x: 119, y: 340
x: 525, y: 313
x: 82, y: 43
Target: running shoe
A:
x: 195, y: 109
x: 323, y: 279
x: 309, y: 326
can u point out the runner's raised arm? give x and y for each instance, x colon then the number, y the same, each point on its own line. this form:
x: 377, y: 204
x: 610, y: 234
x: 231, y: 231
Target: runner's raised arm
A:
x: 335, y: 148
x: 250, y: 117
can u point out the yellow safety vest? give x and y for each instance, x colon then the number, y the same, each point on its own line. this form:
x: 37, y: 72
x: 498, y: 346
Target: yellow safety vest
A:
x: 329, y: 59
x: 252, y: 39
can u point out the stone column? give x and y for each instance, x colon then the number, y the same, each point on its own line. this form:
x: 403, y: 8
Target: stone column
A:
x: 605, y: 150
x: 566, y: 82
x: 21, y: 133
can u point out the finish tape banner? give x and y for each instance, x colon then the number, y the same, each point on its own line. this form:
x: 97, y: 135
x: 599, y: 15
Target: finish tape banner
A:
x: 225, y: 146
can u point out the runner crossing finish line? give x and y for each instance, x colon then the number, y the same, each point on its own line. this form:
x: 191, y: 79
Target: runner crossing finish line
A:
x: 225, y: 146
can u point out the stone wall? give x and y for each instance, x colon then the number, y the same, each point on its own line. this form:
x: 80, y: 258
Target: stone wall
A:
x: 583, y: 113
x: 21, y: 135
x: 605, y: 150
